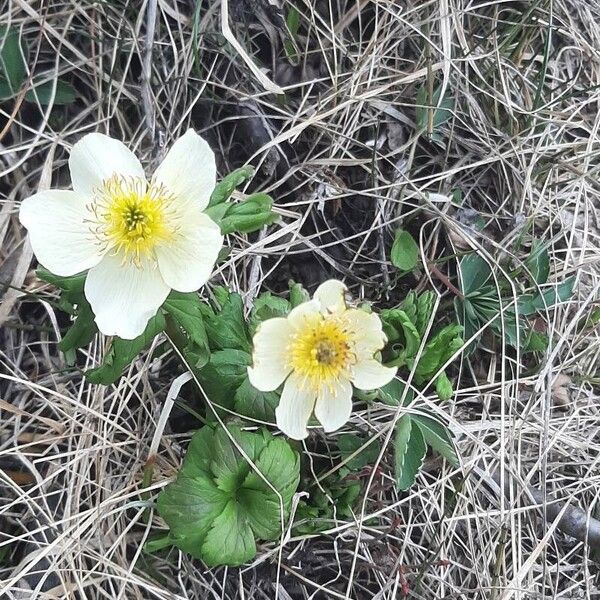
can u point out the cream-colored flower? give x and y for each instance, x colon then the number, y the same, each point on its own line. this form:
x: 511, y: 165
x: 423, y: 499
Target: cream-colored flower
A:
x: 138, y: 238
x: 320, y: 350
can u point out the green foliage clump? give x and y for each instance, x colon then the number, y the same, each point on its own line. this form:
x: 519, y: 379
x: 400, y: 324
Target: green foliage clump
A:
x: 233, y: 488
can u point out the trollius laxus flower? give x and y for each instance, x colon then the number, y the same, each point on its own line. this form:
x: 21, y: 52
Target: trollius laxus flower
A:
x: 138, y: 238
x: 319, y: 351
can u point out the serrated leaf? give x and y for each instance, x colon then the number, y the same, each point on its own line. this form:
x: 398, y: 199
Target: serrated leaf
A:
x: 538, y: 262
x: 425, y: 303
x: 409, y: 306
x: 12, y: 62
x: 529, y: 304
x: 122, y: 352
x: 409, y: 451
x: 405, y: 251
x: 219, y: 504
x: 225, y: 187
x: 42, y: 92
x: 349, y: 443
x: 189, y: 506
x: 280, y: 466
x: 399, y: 328
x: 186, y: 311
x: 224, y: 374
x: 437, y: 351
x: 391, y: 393
x: 228, y: 467
x: 226, y: 328
x: 230, y: 540
x: 267, y: 306
x: 437, y: 436
x: 254, y: 404
x: 474, y: 273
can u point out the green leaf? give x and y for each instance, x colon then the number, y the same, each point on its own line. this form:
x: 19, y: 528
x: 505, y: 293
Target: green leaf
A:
x: 83, y: 330
x: 74, y: 283
x: 254, y: 404
x: 13, y: 55
x: 409, y: 306
x: 122, y: 352
x: 293, y: 23
x: 279, y: 465
x: 399, y: 328
x: 405, y: 251
x: 536, y: 342
x: 349, y: 443
x: 186, y: 311
x: 189, y: 506
x: 391, y: 393
x: 230, y: 540
x: 228, y: 466
x: 42, y: 92
x: 590, y: 320
x: 267, y: 306
x: 424, y: 107
x: 468, y: 318
x: 218, y: 504
x: 250, y: 215
x: 298, y: 294
x: 474, y: 273
x: 425, y: 303
x: 437, y: 436
x: 538, y: 262
x: 226, y: 328
x: 409, y: 451
x: 224, y: 374
x: 225, y: 187
x: 529, y: 304
x: 443, y: 386
x: 444, y: 344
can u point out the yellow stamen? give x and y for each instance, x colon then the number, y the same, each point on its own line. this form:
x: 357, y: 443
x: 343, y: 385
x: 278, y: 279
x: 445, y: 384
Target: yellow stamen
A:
x: 132, y: 217
x: 322, y: 351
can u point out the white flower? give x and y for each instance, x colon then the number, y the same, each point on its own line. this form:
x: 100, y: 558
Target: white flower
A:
x: 138, y: 239
x: 320, y: 350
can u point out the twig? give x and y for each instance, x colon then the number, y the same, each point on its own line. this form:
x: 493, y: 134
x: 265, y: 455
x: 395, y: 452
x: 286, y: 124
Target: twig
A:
x: 228, y: 35
x: 572, y: 521
x: 147, y: 68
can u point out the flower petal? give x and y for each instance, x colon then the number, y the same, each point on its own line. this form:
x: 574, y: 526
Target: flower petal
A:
x: 187, y: 263
x: 295, y: 407
x: 370, y: 374
x: 367, y: 331
x: 60, y: 237
x: 189, y: 171
x: 330, y: 295
x: 96, y: 157
x: 123, y: 296
x: 269, y: 359
x: 304, y: 314
x: 334, y: 404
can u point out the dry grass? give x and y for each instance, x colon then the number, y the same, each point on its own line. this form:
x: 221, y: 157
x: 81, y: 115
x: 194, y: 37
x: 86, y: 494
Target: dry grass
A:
x: 344, y: 160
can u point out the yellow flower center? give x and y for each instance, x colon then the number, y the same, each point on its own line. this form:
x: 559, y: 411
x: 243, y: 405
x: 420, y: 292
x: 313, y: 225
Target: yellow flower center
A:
x: 132, y: 217
x: 322, y: 351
